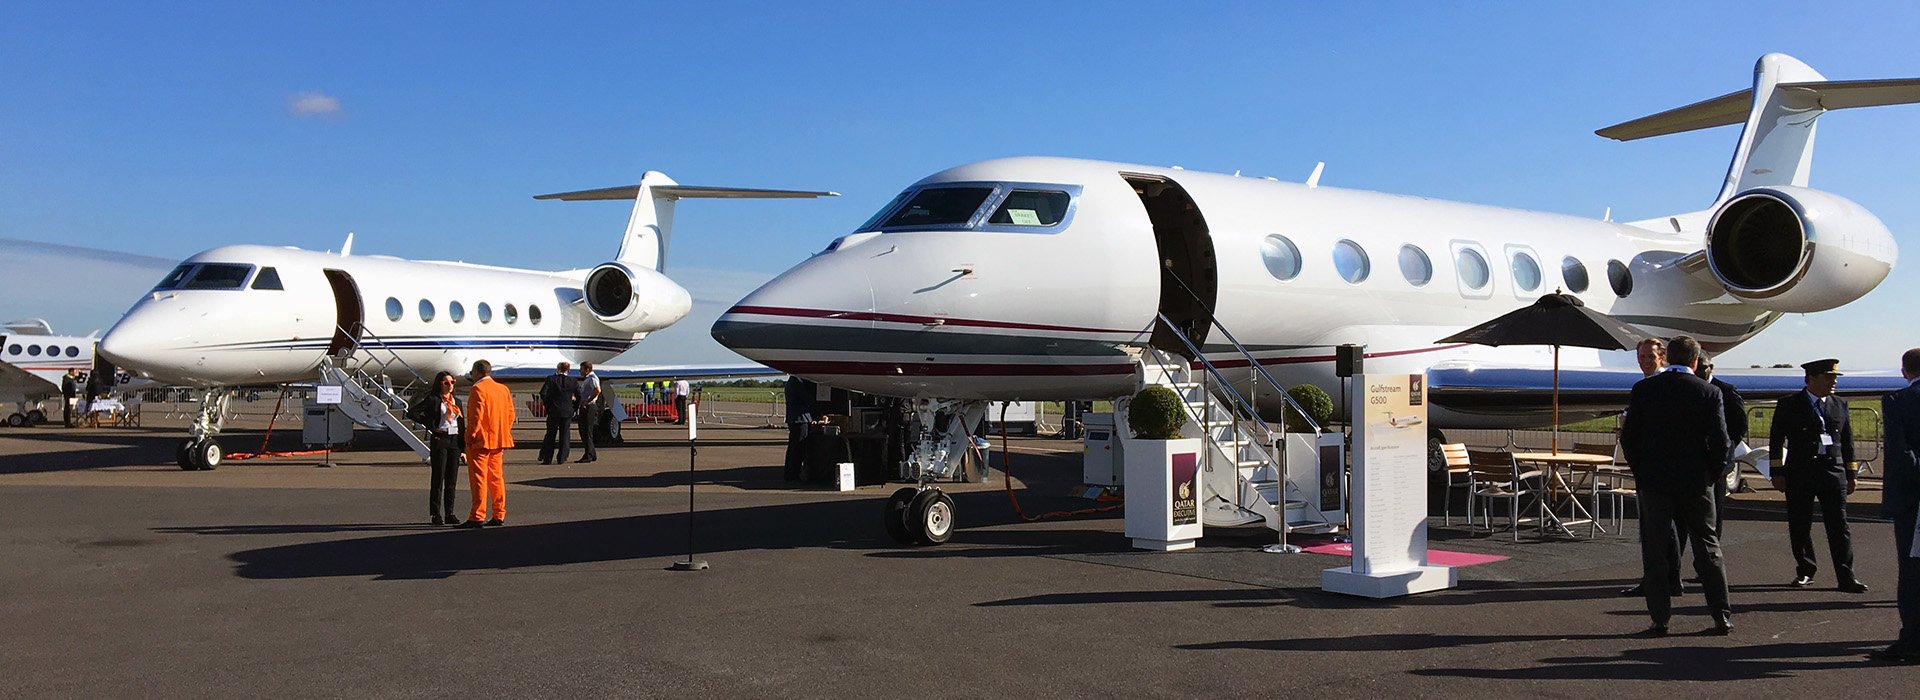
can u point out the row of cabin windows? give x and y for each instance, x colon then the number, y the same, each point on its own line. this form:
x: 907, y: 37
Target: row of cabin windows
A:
x: 1284, y: 262
x: 457, y: 312
x: 50, y: 350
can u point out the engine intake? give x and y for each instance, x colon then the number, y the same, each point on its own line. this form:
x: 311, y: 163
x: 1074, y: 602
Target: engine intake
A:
x: 1797, y: 250
x: 634, y: 300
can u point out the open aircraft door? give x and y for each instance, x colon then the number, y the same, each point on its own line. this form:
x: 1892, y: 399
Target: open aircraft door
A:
x: 1189, y: 274
x: 349, y: 313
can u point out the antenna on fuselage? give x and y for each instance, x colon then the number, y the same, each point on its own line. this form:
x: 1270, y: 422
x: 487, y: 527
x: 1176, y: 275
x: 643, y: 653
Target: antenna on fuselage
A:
x: 1314, y: 179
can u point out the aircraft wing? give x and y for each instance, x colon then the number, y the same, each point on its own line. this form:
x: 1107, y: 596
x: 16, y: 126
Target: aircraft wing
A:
x: 1484, y: 388
x: 646, y: 372
x: 16, y: 381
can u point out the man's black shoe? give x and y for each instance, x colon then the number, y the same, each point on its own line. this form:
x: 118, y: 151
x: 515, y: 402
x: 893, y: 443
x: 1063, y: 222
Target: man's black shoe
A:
x: 496, y: 522
x: 546, y: 461
x: 470, y: 524
x: 437, y: 520
x: 1635, y: 592
x: 1853, y: 587
x: 1801, y: 581
x: 1652, y: 631
x: 1722, y: 626
x: 583, y: 460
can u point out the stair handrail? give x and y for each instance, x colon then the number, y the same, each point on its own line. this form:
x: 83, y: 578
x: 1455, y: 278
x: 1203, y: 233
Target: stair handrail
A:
x: 1238, y: 403
x: 1214, y: 321
x: 360, y: 343
x: 1199, y: 417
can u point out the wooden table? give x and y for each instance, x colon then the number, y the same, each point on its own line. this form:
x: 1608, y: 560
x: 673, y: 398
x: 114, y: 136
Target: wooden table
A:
x: 1555, y: 462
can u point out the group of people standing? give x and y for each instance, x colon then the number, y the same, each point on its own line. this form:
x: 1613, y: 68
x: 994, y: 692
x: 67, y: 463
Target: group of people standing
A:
x: 481, y: 433
x: 1678, y: 436
x: 569, y: 400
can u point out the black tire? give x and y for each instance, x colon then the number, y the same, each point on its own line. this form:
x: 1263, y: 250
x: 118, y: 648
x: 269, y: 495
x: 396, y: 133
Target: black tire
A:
x: 1436, y: 458
x: 897, y: 513
x: 37, y: 417
x: 17, y: 420
x: 932, y: 513
x: 184, y: 455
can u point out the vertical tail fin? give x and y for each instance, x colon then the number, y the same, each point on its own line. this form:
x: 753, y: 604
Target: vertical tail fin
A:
x: 1780, y: 112
x: 650, y: 228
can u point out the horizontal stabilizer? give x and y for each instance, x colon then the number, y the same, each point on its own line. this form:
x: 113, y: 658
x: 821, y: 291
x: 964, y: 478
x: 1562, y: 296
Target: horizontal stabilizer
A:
x: 1733, y: 108
x: 684, y: 192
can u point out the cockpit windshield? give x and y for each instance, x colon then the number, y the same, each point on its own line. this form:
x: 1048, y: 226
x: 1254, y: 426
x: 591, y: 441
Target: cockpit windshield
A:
x: 174, y: 278
x: 939, y: 206
x: 219, y: 276
x: 1016, y: 207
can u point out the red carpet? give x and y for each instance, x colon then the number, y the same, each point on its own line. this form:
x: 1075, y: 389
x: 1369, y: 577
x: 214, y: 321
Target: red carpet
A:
x: 1435, y: 557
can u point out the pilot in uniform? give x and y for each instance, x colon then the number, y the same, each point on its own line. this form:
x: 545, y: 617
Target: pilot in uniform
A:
x: 1818, y: 465
x: 489, y: 434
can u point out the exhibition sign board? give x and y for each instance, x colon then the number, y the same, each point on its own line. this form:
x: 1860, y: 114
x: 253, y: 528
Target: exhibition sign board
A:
x: 1389, y: 510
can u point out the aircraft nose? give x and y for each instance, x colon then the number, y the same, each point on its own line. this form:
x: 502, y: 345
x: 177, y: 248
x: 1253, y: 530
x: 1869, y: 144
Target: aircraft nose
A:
x: 807, y: 314
x: 139, y: 343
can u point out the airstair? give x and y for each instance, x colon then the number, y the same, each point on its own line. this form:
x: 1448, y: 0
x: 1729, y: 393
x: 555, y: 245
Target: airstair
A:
x: 365, y: 372
x: 1251, y: 470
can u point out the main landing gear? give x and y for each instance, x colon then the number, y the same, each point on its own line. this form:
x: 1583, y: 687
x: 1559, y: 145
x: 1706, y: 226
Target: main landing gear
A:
x: 925, y: 514
x: 203, y: 452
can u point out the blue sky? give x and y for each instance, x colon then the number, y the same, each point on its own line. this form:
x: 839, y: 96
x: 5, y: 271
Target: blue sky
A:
x: 426, y: 127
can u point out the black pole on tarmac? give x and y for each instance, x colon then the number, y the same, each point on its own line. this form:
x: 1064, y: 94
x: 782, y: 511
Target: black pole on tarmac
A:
x: 693, y: 450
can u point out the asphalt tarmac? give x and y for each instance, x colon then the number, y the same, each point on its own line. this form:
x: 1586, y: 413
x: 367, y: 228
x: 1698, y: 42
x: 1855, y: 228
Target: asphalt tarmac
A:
x: 123, y: 576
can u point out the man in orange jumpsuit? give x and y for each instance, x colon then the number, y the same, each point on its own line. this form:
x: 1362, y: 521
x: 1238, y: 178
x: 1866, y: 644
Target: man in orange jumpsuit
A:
x: 489, y: 434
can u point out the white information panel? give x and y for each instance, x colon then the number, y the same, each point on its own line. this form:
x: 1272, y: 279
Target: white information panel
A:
x: 326, y: 394
x: 1389, y: 513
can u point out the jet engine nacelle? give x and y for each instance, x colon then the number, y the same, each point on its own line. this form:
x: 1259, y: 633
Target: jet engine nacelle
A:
x: 634, y: 300
x: 1797, y: 250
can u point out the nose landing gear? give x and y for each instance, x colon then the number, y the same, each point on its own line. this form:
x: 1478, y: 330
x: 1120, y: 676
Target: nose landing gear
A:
x: 203, y: 452
x: 925, y: 514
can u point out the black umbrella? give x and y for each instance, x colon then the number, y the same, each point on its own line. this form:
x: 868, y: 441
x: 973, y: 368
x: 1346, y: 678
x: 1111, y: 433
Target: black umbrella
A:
x: 1555, y: 319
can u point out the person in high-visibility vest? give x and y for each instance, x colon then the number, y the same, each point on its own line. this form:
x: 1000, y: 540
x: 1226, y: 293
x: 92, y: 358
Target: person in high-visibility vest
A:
x: 489, y: 434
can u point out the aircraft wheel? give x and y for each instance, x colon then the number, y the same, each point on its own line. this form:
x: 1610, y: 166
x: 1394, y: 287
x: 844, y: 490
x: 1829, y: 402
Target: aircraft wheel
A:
x: 1436, y: 457
x: 37, y: 417
x: 184, y: 455
x: 16, y: 420
x: 898, y: 509
x: 932, y: 516
x: 208, y: 454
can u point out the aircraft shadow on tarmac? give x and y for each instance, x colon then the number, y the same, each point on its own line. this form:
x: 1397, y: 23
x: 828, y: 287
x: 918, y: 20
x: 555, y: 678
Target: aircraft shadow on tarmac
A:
x: 1728, y: 661
x: 126, y: 446
x: 420, y: 552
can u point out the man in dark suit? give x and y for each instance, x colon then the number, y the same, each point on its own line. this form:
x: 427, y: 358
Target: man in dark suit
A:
x: 1900, y: 500
x: 1812, y: 425
x: 561, y: 394
x: 1735, y: 409
x: 1675, y: 438
x: 69, y: 388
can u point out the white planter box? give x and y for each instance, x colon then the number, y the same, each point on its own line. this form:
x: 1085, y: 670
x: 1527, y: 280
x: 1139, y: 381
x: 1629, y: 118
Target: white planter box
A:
x: 1163, y: 493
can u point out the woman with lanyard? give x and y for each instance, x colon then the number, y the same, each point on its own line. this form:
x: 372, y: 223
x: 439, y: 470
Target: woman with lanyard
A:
x: 443, y: 448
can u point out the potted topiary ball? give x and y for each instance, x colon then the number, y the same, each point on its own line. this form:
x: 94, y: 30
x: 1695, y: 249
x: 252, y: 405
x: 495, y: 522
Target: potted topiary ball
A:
x: 1315, y: 401
x: 1162, y: 472
x: 1156, y: 413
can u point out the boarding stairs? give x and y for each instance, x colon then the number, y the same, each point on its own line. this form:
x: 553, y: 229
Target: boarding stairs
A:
x: 1244, y: 469
x: 365, y: 372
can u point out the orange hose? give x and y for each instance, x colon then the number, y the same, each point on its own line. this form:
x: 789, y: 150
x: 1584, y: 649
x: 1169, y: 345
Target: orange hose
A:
x: 275, y: 420
x: 1006, y: 473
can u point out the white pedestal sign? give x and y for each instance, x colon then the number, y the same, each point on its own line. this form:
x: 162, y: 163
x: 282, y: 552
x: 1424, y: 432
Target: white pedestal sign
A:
x: 1389, y: 492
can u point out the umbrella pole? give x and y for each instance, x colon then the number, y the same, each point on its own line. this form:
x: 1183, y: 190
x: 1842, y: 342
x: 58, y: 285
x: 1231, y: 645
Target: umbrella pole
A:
x: 1556, y: 399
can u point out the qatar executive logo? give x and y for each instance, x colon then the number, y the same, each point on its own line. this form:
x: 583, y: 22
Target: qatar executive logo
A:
x: 1186, y: 508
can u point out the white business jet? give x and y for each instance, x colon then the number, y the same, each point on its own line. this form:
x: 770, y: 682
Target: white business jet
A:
x: 32, y: 362
x: 1052, y: 278
x: 252, y: 315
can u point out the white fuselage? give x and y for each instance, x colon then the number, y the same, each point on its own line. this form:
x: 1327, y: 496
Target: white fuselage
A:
x: 233, y: 329
x: 1013, y: 312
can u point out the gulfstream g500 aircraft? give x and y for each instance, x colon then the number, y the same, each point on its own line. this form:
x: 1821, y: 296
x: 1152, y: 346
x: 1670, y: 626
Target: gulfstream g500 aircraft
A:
x: 1046, y: 278
x: 249, y: 315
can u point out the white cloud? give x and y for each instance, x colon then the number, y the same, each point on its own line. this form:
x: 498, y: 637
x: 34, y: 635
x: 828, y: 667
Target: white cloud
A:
x: 314, y: 104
